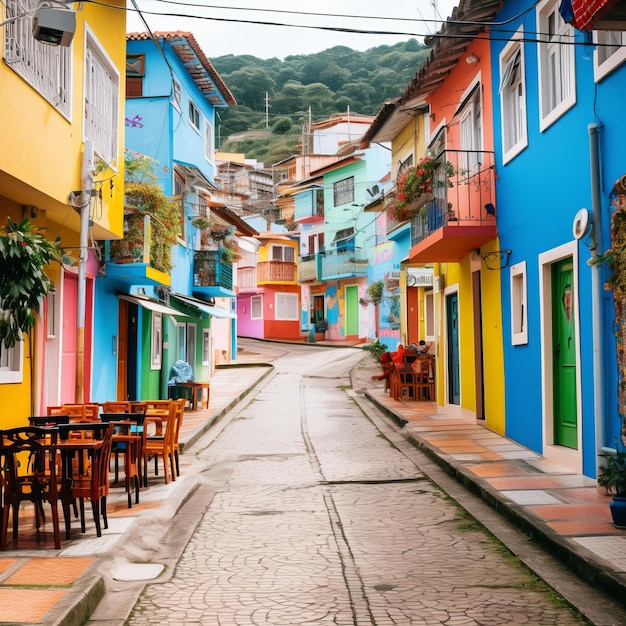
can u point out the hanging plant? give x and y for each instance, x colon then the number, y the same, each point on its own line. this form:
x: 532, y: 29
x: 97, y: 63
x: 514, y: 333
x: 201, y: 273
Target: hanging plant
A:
x: 24, y: 253
x: 417, y: 183
x: 201, y: 222
x: 218, y: 234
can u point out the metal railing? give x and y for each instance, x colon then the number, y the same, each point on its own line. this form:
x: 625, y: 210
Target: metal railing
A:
x: 340, y: 262
x: 210, y: 270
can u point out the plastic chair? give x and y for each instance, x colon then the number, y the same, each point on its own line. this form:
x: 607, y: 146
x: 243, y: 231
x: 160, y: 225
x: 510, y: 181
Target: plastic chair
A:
x: 29, y: 475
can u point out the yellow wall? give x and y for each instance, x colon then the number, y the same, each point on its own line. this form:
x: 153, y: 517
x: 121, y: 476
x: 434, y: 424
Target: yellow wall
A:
x: 264, y: 251
x: 410, y: 140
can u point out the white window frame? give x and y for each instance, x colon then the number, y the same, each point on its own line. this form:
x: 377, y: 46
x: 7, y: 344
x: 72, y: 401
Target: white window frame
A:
x: 194, y: 116
x: 556, y: 64
x: 605, y: 60
x: 513, y: 99
x: 181, y: 341
x: 282, y: 254
x: 206, y: 346
x: 156, y: 340
x: 209, y: 143
x: 176, y: 94
x: 286, y: 306
x: 256, y: 308
x: 190, y: 345
x: 101, y: 100
x: 47, y: 69
x: 12, y: 364
x: 519, y: 307
x: 471, y: 129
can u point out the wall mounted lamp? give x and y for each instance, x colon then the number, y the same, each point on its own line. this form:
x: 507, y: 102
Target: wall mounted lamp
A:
x: 472, y: 59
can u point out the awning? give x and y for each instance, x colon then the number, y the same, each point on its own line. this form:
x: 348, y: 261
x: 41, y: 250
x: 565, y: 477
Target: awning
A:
x: 213, y: 311
x: 152, y: 305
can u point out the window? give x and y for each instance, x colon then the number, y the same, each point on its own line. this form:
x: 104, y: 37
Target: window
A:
x: 194, y: 115
x: 208, y: 141
x: 179, y: 192
x: 101, y: 102
x: 282, y: 253
x: 156, y: 344
x: 519, y: 323
x: 513, y: 101
x: 176, y: 93
x: 47, y: 69
x: 610, y: 52
x: 135, y: 71
x: 192, y: 334
x: 11, y: 363
x: 287, y: 306
x: 206, y: 346
x: 556, y: 64
x: 256, y: 307
x: 343, y: 191
x: 181, y: 341
x: 471, y: 132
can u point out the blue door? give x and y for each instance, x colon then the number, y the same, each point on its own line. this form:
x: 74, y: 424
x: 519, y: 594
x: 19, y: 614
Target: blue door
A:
x: 453, y: 360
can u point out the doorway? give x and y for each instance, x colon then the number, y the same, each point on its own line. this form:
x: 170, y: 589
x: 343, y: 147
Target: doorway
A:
x: 452, y: 354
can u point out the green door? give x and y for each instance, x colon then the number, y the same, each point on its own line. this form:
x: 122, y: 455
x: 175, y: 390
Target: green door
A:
x: 352, y: 310
x: 453, y: 355
x: 564, y: 355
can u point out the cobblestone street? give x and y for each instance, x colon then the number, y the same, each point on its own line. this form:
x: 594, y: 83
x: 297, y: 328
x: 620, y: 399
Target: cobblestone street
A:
x: 319, y: 519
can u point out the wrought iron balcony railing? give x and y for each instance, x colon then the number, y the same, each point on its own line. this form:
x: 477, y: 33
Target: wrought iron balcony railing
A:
x: 210, y: 270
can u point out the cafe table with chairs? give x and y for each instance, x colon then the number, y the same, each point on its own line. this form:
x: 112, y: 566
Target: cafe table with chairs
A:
x: 62, y: 460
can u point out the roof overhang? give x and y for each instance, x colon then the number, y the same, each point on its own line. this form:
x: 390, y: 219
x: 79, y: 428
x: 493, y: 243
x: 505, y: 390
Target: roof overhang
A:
x: 201, y: 306
x: 152, y: 305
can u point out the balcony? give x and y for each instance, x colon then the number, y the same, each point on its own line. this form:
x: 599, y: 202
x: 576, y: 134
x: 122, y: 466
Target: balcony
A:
x: 343, y: 263
x: 276, y: 272
x: 246, y: 279
x: 310, y: 268
x: 212, y: 276
x: 132, y: 259
x: 461, y: 216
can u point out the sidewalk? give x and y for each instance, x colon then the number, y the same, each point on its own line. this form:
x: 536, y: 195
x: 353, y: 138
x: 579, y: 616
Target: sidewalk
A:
x: 563, y: 512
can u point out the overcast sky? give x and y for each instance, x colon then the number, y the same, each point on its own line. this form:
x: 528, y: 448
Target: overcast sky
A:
x: 225, y: 33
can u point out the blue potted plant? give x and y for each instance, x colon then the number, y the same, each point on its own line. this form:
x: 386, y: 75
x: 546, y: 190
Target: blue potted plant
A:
x: 613, y: 478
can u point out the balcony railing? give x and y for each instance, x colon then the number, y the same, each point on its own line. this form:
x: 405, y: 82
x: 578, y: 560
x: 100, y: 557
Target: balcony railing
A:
x: 276, y: 271
x: 310, y: 268
x: 464, y: 199
x: 246, y: 278
x: 344, y: 262
x: 209, y: 270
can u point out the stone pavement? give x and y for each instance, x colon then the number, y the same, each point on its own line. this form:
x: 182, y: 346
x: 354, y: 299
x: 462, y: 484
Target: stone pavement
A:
x: 563, y: 513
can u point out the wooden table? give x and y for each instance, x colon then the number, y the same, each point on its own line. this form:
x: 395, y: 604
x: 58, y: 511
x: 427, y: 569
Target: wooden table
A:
x: 198, y: 389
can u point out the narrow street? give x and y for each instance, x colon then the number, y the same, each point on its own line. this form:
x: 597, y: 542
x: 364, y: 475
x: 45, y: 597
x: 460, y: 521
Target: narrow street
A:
x: 316, y: 518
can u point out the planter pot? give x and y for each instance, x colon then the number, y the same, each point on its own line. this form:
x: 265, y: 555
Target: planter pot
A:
x: 618, y: 512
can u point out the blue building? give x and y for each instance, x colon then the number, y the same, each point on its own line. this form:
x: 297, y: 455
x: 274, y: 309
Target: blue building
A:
x: 150, y: 315
x: 559, y: 137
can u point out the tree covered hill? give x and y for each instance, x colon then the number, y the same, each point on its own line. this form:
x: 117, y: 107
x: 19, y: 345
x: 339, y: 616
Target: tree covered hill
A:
x: 278, y: 96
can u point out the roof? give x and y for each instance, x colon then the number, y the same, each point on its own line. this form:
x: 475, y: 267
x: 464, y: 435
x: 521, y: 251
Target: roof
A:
x: 228, y: 215
x: 201, y: 70
x: 459, y: 30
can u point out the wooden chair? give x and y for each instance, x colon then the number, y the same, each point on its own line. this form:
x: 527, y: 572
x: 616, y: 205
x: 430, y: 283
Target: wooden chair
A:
x: 425, y: 374
x: 29, y: 475
x: 161, y: 445
x: 179, y: 422
x: 89, y: 475
x: 116, y: 407
x: 48, y: 420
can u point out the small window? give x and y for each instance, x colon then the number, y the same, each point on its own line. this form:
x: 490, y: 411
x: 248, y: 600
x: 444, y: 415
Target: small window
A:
x: 513, y: 101
x: 287, y: 306
x: 11, y: 363
x: 208, y: 141
x: 194, y: 115
x: 192, y: 334
x: 519, y: 319
x: 156, y: 346
x: 176, y: 93
x: 181, y: 342
x: 256, y: 307
x: 206, y: 346
x: 283, y: 253
x: 135, y: 71
x: 610, y: 52
x: 179, y: 193
x: 471, y: 133
x: 343, y: 191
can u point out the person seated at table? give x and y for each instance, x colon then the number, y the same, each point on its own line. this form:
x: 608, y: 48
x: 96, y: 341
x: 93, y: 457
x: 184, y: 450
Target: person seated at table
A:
x: 423, y: 347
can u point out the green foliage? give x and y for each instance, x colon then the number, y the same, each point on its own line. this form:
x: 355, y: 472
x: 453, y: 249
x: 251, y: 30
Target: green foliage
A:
x: 327, y: 83
x: 144, y: 196
x: 281, y: 126
x: 375, y: 291
x: 24, y: 253
x: 613, y: 476
x: 376, y: 348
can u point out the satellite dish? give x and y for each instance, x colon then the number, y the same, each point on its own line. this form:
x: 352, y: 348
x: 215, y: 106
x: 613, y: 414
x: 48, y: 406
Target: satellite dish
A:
x: 581, y: 224
x: 373, y: 190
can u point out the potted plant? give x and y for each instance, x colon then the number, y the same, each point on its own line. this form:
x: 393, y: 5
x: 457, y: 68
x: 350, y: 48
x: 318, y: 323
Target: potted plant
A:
x: 24, y: 253
x: 613, y: 478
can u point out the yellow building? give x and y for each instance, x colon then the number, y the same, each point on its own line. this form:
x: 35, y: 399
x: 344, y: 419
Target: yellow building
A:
x: 62, y: 126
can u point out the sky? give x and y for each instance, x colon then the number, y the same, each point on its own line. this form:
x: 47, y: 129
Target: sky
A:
x: 225, y: 33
